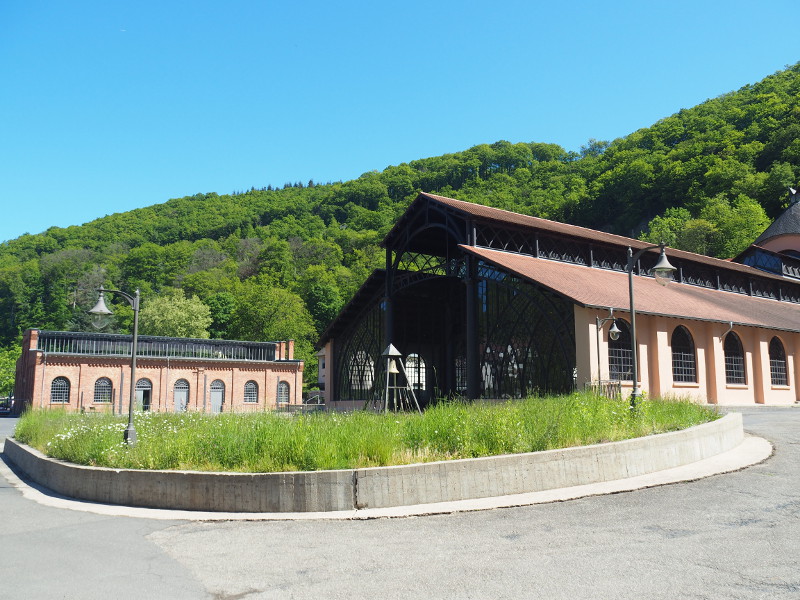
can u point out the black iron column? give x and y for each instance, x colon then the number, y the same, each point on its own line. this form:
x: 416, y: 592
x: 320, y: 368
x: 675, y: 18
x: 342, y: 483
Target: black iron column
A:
x: 388, y: 322
x: 449, y: 365
x: 473, y: 361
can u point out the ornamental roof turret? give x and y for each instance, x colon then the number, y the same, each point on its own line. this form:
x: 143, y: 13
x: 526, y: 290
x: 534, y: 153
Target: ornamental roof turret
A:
x: 787, y: 224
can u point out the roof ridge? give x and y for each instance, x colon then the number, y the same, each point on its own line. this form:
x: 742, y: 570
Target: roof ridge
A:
x: 596, y: 235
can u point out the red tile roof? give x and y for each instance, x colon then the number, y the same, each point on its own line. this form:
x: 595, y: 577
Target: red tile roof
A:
x: 593, y: 287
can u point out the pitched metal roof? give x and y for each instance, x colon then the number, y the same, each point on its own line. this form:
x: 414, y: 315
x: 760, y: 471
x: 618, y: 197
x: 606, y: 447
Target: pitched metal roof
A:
x: 593, y: 287
x: 501, y: 216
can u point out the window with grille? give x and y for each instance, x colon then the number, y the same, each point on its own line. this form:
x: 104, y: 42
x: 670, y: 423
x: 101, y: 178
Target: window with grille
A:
x: 734, y: 360
x: 283, y: 393
x: 777, y: 362
x: 102, y: 390
x: 461, y: 374
x: 620, y: 358
x: 684, y: 364
x: 415, y: 370
x: 59, y: 390
x: 362, y: 371
x: 251, y: 391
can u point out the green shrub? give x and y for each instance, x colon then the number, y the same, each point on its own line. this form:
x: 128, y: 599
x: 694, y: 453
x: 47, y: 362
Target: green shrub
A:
x: 267, y: 442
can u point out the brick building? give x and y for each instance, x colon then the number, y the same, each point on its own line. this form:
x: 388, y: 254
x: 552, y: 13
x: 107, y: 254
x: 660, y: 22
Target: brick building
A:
x: 91, y: 372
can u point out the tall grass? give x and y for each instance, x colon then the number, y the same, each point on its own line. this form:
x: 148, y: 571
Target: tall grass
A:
x: 266, y: 442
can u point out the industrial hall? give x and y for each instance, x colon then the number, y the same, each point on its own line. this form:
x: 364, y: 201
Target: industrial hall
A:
x: 91, y: 372
x: 485, y: 303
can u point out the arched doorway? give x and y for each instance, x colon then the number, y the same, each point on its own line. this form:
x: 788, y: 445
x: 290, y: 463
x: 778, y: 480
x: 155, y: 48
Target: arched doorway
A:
x: 217, y: 396
x: 144, y: 392
x: 180, y: 395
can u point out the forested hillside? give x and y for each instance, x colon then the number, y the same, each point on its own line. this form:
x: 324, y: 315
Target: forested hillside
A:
x: 279, y: 263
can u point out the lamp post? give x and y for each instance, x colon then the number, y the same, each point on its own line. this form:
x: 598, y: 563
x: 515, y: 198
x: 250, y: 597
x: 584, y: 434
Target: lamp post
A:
x: 101, y: 309
x: 613, y: 333
x: 662, y: 272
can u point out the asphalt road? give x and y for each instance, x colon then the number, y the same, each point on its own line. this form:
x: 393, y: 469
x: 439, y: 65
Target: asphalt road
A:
x: 728, y: 536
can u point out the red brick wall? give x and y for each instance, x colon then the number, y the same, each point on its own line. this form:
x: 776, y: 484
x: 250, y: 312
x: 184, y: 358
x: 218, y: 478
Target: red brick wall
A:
x: 36, y: 372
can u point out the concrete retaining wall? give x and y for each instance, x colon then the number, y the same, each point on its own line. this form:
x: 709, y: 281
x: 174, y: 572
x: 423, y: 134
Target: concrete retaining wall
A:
x: 380, y: 487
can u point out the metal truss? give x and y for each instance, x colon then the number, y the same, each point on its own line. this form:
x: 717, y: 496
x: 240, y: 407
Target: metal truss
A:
x: 526, y: 336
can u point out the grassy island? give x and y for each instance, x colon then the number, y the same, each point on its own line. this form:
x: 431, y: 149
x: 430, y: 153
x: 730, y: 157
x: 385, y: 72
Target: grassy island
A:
x: 268, y: 442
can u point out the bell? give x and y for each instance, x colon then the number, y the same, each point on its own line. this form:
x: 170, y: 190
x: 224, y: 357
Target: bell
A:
x: 393, y: 367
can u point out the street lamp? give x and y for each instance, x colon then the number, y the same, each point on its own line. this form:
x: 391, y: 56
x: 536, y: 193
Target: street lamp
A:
x: 613, y: 333
x: 662, y: 272
x: 101, y: 310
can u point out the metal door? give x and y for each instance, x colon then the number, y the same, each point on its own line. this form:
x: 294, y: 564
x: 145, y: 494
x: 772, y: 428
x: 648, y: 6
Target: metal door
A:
x: 144, y: 391
x: 181, y: 395
x: 217, y: 396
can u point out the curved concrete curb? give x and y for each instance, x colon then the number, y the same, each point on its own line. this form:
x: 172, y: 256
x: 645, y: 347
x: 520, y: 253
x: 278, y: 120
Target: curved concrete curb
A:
x: 382, y: 487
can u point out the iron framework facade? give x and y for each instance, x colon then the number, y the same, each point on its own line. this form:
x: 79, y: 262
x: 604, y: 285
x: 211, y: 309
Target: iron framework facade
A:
x: 465, y: 328
x: 477, y: 324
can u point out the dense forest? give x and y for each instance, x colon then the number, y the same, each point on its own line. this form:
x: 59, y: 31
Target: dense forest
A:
x: 279, y: 263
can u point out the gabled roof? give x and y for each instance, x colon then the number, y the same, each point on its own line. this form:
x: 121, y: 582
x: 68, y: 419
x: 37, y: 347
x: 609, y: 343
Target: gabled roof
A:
x: 592, y: 286
x: 601, y: 288
x: 504, y: 217
x: 788, y: 223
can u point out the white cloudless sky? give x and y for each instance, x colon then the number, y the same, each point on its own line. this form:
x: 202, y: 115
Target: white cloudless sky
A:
x: 106, y: 106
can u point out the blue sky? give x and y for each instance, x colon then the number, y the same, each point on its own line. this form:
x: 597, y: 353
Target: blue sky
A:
x: 111, y: 105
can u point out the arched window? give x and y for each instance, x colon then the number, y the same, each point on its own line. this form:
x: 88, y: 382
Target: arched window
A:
x: 620, y: 361
x: 102, y: 390
x: 684, y: 363
x: 362, y: 371
x: 251, y: 391
x: 283, y: 393
x: 734, y: 360
x: 415, y: 371
x: 180, y: 395
x: 777, y: 362
x: 59, y: 390
x: 217, y: 395
x: 488, y: 378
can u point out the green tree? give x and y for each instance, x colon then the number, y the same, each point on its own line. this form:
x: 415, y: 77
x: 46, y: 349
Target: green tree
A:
x: 264, y: 312
x: 320, y: 292
x: 739, y: 223
x: 667, y: 228
x: 173, y: 314
x: 222, y: 306
x: 8, y: 365
x: 698, y: 236
x: 276, y: 261
x: 267, y: 313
